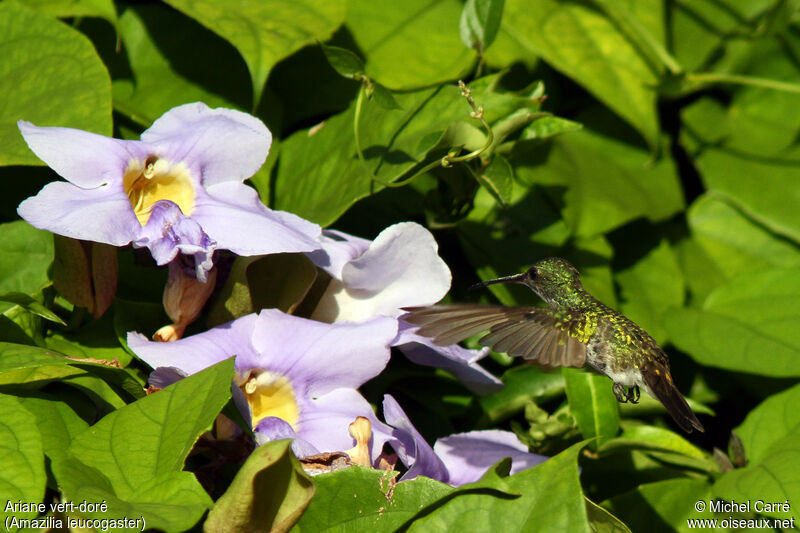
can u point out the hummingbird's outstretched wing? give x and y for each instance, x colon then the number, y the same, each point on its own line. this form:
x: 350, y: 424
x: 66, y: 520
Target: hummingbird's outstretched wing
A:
x: 537, y: 334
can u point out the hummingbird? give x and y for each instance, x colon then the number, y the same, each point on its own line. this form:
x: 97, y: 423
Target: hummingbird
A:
x: 576, y: 330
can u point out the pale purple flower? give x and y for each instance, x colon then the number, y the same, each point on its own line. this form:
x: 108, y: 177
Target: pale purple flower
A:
x: 400, y: 268
x: 179, y: 189
x: 456, y: 459
x: 294, y: 377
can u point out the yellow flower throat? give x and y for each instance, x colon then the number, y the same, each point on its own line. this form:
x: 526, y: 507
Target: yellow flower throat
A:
x: 157, y: 179
x: 270, y: 394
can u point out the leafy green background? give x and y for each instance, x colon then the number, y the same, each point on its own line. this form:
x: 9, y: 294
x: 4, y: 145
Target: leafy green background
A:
x: 652, y: 143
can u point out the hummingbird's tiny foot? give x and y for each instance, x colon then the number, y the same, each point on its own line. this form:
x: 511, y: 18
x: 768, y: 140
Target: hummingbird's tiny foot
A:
x: 620, y: 392
x: 634, y: 398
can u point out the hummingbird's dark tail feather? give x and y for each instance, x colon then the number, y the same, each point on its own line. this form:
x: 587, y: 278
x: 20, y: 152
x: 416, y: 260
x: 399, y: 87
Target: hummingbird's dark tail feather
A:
x: 659, y: 380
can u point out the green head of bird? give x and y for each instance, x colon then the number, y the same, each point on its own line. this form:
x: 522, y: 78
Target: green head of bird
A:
x: 555, y: 280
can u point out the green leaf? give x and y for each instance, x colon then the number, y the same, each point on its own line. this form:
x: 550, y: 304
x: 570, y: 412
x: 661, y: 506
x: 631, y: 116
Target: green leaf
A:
x: 169, y: 501
x: 343, y: 61
x: 652, y: 437
x: 383, y: 97
x: 269, y: 493
x: 776, y: 478
x: 772, y: 420
x: 361, y: 499
x: 31, y: 305
x: 267, y: 31
x: 521, y: 385
x: 169, y: 68
x: 726, y: 243
x: 662, y: 506
x: 609, y: 182
x: 164, y: 426
x: 601, y: 521
x: 53, y: 78
x: 480, y: 21
x: 409, y: 44
x: 546, y: 127
x: 593, y: 404
x: 22, y: 474
x: 551, y: 500
x: 771, y: 438
x: 76, y: 8
x: 25, y: 256
x: 750, y: 325
x: 498, y: 178
x: 397, y: 141
x: 650, y: 287
x: 133, y: 457
x: 57, y: 423
x: 581, y: 42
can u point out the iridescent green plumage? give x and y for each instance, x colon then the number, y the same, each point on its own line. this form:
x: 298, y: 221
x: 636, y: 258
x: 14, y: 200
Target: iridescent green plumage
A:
x: 576, y: 330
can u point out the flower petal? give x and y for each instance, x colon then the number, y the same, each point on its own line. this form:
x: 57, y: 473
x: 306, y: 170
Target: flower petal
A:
x: 86, y: 159
x: 460, y: 362
x: 320, y: 357
x: 192, y: 354
x: 410, y: 446
x: 233, y: 216
x: 272, y: 428
x: 169, y: 232
x: 225, y: 144
x: 469, y: 455
x: 164, y: 376
x: 325, y: 422
x: 102, y: 214
x: 401, y: 268
x: 338, y: 248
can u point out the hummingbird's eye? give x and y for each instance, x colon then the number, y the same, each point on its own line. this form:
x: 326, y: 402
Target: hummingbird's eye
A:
x: 533, y: 273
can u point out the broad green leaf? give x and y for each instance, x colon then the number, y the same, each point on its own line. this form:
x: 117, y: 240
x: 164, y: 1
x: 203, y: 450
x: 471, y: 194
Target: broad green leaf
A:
x: 651, y: 286
x: 169, y: 68
x: 699, y: 28
x: 480, y: 21
x: 652, y: 437
x: 546, y: 127
x: 409, y: 44
x: 31, y: 305
x: 267, y: 31
x: 169, y: 501
x: 776, y: 478
x: 771, y: 438
x: 593, y: 404
x: 730, y: 243
x: 551, y: 500
x: 343, y: 61
x: 269, y: 493
x: 601, y: 521
x: 755, y: 136
x: 320, y: 176
x: 153, y: 435
x: 54, y: 77
x: 584, y: 44
x: 520, y: 386
x: 608, y: 182
x: 77, y: 8
x: 25, y: 256
x: 57, y: 423
x: 751, y: 324
x: 772, y: 420
x: 22, y: 473
x: 359, y: 499
x: 662, y: 506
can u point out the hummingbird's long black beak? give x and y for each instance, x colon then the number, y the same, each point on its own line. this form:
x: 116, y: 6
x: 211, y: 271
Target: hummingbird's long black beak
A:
x: 519, y: 278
